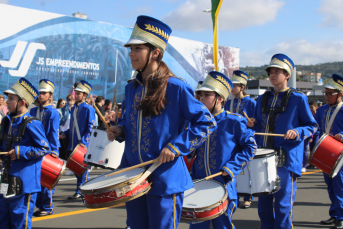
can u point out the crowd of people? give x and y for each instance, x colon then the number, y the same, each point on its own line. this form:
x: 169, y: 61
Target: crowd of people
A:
x: 163, y: 118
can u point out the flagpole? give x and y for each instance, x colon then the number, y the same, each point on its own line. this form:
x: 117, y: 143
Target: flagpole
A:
x: 216, y: 4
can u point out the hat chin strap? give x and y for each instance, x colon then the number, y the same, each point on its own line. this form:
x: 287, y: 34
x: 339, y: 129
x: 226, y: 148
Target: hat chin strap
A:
x: 215, y: 103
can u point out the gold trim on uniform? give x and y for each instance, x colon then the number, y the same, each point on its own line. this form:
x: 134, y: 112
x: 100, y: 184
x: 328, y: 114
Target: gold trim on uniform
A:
x: 174, y: 209
x: 28, y: 209
x: 173, y: 147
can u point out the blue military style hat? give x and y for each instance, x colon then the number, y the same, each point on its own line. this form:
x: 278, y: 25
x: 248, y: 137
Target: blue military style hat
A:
x: 150, y: 30
x: 240, y: 77
x: 282, y: 61
x: 46, y: 85
x: 336, y: 82
x: 25, y: 90
x: 218, y: 82
x: 84, y: 87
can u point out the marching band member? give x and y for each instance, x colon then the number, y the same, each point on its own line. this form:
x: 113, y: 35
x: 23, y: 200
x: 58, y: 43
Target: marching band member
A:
x: 241, y: 103
x: 49, y: 116
x: 25, y: 154
x: 153, y: 125
x: 229, y: 148
x: 282, y: 111
x: 333, y: 110
x: 81, y: 122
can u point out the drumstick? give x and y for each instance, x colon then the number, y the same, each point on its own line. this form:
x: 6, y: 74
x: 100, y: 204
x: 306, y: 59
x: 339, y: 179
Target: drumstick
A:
x: 114, y: 99
x: 101, y: 117
x: 132, y: 167
x: 145, y: 175
x: 2, y: 153
x: 269, y: 134
x: 209, y: 177
x: 247, y: 117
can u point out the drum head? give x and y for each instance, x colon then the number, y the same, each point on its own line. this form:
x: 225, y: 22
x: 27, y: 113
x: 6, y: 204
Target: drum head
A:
x: 204, y: 194
x: 103, y: 182
x: 264, y: 153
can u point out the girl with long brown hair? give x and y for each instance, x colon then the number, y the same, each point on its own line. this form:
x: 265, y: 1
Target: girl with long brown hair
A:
x: 158, y: 104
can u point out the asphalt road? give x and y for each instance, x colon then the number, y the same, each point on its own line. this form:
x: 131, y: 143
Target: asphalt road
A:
x: 311, y: 205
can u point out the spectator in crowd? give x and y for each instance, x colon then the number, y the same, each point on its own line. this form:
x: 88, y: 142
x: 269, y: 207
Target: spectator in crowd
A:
x: 3, y: 108
x: 313, y: 108
x: 99, y: 103
x: 107, y: 106
x: 60, y: 104
x: 64, y: 125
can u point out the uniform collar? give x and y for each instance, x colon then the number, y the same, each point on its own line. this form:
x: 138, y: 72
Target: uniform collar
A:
x: 78, y: 104
x: 283, y: 90
x: 19, y: 116
x: 46, y: 106
x: 219, y: 112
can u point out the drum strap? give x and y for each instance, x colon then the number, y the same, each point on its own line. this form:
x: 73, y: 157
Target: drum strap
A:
x: 328, y: 127
x: 39, y: 114
x: 76, y: 125
x: 231, y: 105
x: 237, y: 107
x: 272, y: 111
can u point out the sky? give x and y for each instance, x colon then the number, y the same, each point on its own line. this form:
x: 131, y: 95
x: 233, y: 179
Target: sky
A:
x: 308, y: 31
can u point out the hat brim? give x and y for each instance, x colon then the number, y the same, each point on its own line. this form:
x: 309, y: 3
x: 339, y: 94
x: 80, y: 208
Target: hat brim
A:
x: 9, y: 92
x: 78, y: 89
x: 134, y: 42
x: 43, y: 90
x: 204, y: 89
x: 233, y: 82
x: 329, y: 87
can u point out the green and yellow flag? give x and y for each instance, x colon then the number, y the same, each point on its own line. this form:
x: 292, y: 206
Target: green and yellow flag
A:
x: 216, y: 4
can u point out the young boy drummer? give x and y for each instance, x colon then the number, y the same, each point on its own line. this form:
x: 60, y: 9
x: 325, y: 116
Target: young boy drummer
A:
x: 228, y: 149
x: 81, y: 127
x: 51, y: 121
x: 333, y: 110
x: 26, y: 157
x: 282, y: 111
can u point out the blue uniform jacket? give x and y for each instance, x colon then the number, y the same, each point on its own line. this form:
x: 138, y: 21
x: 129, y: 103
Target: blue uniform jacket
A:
x: 85, y: 116
x: 145, y: 137
x: 323, y: 120
x: 245, y: 104
x: 51, y: 123
x: 297, y: 117
x: 229, y: 148
x: 29, y: 152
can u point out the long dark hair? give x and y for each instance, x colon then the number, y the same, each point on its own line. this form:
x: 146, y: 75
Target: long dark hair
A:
x: 155, y: 99
x: 59, y: 102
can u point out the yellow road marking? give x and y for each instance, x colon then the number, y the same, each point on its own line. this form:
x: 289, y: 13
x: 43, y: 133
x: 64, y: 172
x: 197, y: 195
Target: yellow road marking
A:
x: 73, y: 213
x: 317, y: 171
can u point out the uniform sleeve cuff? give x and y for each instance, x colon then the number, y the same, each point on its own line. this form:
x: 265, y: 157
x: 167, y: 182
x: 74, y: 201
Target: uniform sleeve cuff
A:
x: 297, y: 137
x: 173, y: 148
x: 229, y: 172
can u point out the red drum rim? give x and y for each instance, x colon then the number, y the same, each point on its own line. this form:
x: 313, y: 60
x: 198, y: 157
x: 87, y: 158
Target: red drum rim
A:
x: 337, y: 166
x: 116, y: 202
x: 71, y: 156
x: 72, y: 153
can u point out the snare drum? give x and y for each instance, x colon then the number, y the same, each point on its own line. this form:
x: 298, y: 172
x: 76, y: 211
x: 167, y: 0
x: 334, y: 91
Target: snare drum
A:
x: 259, y: 177
x: 327, y: 155
x: 75, y: 161
x: 51, y: 171
x: 104, y: 191
x: 102, y: 152
x: 207, y: 200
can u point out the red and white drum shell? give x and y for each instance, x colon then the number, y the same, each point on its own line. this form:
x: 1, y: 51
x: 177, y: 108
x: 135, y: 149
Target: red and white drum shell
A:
x: 189, y: 162
x: 108, y: 191
x: 51, y: 171
x: 75, y: 160
x: 206, y: 200
x: 327, y: 155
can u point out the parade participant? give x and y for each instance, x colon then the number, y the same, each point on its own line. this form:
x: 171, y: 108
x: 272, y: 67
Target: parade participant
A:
x: 3, y: 108
x: 50, y: 119
x: 157, y: 105
x: 81, y: 127
x: 23, y: 161
x: 241, y: 103
x: 282, y: 111
x: 228, y: 149
x: 333, y: 95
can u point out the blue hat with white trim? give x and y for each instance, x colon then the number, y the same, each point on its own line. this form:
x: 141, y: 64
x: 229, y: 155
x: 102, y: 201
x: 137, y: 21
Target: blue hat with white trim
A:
x: 25, y: 90
x: 240, y: 77
x: 46, y: 85
x: 84, y: 87
x: 336, y: 82
x: 150, y: 30
x: 282, y: 61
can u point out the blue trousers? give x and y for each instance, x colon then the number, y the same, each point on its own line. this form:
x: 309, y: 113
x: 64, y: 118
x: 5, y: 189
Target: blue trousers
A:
x: 81, y: 180
x: 155, y: 212
x: 222, y: 222
x: 335, y: 187
x: 16, y: 212
x: 44, y: 200
x: 279, y: 215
